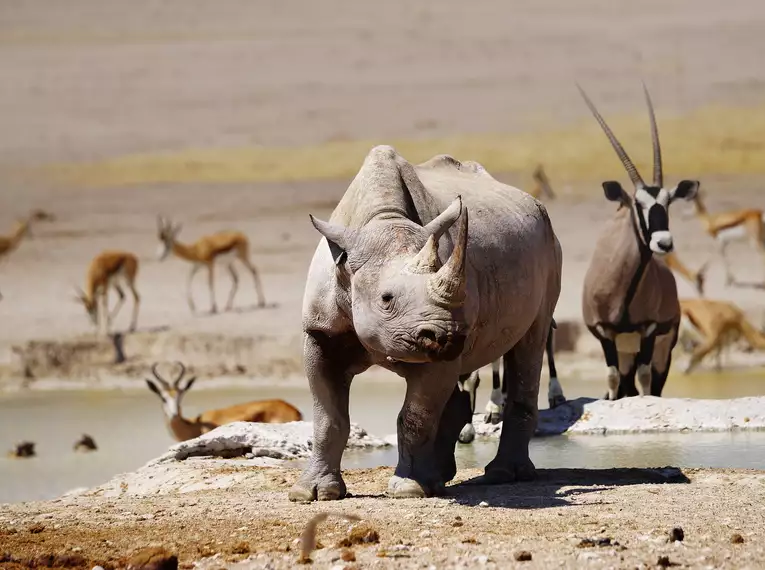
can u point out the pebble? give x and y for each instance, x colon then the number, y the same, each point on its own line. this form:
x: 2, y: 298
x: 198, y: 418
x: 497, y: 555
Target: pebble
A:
x: 425, y: 534
x: 483, y: 504
x: 98, y: 568
x: 676, y: 534
x: 663, y: 561
x: 522, y: 556
x: 482, y: 559
x: 736, y: 538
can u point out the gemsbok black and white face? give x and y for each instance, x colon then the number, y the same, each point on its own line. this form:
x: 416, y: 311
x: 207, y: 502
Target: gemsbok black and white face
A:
x: 649, y: 202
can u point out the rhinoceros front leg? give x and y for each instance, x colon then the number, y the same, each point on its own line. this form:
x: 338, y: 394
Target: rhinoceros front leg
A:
x: 420, y: 469
x: 329, y: 365
x: 523, y: 366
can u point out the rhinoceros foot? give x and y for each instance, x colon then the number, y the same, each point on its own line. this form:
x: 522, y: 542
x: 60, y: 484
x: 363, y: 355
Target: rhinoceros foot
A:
x: 328, y: 487
x: 501, y: 474
x: 402, y: 488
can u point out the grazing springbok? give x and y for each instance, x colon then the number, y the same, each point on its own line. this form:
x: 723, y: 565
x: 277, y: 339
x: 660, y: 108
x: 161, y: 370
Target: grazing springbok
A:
x: 716, y: 324
x: 733, y: 225
x: 695, y: 278
x: 630, y: 299
x: 109, y: 269
x: 494, y: 408
x: 225, y: 247
x: 21, y: 229
x: 171, y: 394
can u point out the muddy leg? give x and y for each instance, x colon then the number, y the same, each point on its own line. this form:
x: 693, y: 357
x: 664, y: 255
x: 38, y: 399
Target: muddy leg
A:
x: 612, y: 362
x: 419, y: 469
x: 627, y: 369
x: 497, y: 399
x: 468, y: 385
x: 523, y: 366
x: 330, y: 365
x: 555, y: 395
x: 662, y: 360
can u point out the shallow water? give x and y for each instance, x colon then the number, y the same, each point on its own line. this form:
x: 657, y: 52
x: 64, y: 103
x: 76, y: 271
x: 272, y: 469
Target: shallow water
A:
x: 128, y: 427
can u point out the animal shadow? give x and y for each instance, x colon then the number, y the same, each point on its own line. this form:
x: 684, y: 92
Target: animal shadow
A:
x: 547, y: 489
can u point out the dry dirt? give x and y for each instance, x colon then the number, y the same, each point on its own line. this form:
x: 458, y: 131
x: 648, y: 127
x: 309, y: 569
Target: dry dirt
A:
x: 556, y: 519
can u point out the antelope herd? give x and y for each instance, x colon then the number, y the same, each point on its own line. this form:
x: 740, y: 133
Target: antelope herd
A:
x: 630, y: 301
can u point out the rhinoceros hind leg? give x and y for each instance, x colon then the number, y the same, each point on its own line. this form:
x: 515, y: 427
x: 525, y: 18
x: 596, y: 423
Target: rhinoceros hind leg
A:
x: 522, y: 364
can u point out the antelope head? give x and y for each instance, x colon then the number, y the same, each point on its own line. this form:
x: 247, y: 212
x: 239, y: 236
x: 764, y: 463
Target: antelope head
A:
x: 167, y: 232
x: 649, y: 202
x: 407, y: 306
x: 89, y: 303
x: 171, y: 394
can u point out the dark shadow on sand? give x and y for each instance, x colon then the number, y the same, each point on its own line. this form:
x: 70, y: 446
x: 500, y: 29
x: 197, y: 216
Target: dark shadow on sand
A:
x: 545, y: 491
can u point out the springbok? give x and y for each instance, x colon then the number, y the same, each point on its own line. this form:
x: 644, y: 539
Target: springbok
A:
x: 541, y: 185
x: 109, y: 269
x: 494, y: 408
x: 171, y: 394
x: 630, y: 301
x: 717, y: 323
x: 695, y: 278
x: 226, y: 247
x: 21, y: 229
x: 730, y: 226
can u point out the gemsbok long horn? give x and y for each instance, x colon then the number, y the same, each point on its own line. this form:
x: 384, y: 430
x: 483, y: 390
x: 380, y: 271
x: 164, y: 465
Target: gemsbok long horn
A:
x: 658, y: 172
x: 620, y: 152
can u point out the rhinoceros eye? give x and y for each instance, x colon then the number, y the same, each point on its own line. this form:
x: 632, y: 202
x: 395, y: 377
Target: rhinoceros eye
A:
x: 387, y: 298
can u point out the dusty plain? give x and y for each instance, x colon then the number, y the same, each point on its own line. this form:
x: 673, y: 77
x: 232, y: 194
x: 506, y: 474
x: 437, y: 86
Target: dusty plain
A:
x: 249, y: 115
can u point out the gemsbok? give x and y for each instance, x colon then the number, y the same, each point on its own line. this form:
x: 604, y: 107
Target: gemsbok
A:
x: 222, y: 247
x: 541, y: 187
x: 109, y: 269
x: 494, y: 408
x: 630, y: 301
x: 262, y: 411
x: 747, y: 225
x: 717, y: 324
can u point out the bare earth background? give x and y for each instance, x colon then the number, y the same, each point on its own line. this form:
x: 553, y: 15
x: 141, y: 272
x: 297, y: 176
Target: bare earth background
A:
x: 242, y: 115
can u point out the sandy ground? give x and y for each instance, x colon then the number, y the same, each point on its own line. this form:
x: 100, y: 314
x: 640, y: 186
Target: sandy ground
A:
x: 553, y: 519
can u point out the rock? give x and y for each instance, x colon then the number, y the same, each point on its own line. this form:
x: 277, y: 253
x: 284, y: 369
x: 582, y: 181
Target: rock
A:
x: 360, y: 534
x: 648, y: 414
x: 663, y: 562
x: 347, y: 555
x: 736, y: 538
x: 23, y: 449
x: 522, y: 556
x: 676, y: 534
x: 278, y: 441
x: 156, y: 558
x: 85, y: 443
x: 483, y: 504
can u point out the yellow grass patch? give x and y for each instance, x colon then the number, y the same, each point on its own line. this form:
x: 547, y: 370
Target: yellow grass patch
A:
x: 712, y: 140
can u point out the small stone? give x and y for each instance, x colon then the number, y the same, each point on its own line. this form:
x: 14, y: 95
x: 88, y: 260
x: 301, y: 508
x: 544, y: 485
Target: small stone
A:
x: 36, y: 528
x: 482, y: 559
x: 457, y: 523
x: 736, y: 538
x: 98, y: 568
x: 522, y: 556
x: 663, y: 561
x: 347, y: 555
x: 241, y: 548
x: 483, y: 504
x: 676, y: 534
x: 153, y: 559
x: 425, y: 534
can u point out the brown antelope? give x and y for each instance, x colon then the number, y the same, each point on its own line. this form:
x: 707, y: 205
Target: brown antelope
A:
x: 717, y: 323
x: 696, y: 278
x: 734, y: 225
x: 541, y: 185
x: 109, y: 269
x: 630, y: 299
x: 262, y: 411
x: 225, y: 247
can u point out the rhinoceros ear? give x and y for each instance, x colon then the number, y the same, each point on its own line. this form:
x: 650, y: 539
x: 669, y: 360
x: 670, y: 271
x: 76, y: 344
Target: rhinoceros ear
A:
x: 339, y: 238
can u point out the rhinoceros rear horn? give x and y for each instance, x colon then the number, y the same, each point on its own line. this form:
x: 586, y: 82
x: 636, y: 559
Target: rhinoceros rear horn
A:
x: 444, y: 220
x: 447, y: 286
x: 339, y: 238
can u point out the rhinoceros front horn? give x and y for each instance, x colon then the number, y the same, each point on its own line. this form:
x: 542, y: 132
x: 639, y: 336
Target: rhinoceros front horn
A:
x: 447, y: 286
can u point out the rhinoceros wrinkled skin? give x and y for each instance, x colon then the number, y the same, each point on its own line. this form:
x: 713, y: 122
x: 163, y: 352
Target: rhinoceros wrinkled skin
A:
x: 430, y: 271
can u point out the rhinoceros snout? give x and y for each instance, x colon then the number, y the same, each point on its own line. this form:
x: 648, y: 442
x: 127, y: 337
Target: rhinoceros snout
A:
x: 440, y: 345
